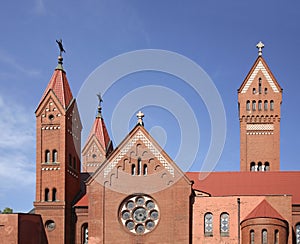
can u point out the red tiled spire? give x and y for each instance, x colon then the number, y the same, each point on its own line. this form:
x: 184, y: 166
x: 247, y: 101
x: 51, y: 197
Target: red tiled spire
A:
x: 59, y: 85
x: 264, y: 210
x: 99, y: 130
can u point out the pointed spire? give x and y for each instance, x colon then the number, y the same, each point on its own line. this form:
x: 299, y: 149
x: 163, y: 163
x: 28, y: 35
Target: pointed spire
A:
x: 140, y: 117
x: 260, y: 46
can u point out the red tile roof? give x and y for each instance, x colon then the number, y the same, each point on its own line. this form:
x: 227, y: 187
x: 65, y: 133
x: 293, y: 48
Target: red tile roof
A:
x: 100, y: 131
x: 83, y: 202
x: 249, y: 183
x: 265, y: 210
x: 60, y: 86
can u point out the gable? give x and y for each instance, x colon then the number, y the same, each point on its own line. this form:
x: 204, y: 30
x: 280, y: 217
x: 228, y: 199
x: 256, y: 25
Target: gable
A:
x: 138, y: 164
x: 260, y: 66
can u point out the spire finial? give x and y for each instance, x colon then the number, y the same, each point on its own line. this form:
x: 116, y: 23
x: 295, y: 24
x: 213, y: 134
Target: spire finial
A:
x: 260, y: 46
x: 61, y: 50
x: 140, y: 117
x: 99, y: 114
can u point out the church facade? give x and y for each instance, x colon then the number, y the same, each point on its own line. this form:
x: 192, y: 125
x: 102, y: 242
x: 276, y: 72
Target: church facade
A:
x: 135, y: 193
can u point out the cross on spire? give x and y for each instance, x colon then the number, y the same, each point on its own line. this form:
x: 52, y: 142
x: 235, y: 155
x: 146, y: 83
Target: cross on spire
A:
x: 140, y: 117
x: 260, y: 46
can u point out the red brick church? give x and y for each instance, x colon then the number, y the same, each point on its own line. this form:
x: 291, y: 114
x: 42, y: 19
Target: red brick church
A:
x: 135, y: 193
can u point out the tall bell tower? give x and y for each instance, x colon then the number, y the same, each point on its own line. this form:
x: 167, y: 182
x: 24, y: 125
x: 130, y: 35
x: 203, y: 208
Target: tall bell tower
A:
x: 58, y: 136
x: 259, y: 100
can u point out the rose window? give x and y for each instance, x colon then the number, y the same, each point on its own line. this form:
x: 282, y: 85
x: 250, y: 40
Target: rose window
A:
x: 139, y: 214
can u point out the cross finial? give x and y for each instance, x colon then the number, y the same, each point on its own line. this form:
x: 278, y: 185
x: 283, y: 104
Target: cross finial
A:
x: 99, y: 115
x: 140, y: 117
x: 260, y: 46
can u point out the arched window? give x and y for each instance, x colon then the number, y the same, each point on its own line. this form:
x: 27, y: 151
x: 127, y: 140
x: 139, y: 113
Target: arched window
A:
x: 267, y: 166
x: 53, y: 194
x: 253, y: 90
x: 133, y: 169
x: 259, y: 105
x: 224, y: 224
x: 252, y: 166
x: 251, y: 236
x: 84, y: 233
x: 248, y: 105
x: 259, y: 166
x: 272, y: 105
x: 298, y: 233
x: 145, y: 169
x: 264, y: 236
x: 253, y: 105
x: 265, y: 105
x: 276, y: 237
x: 47, y: 156
x: 54, y: 156
x: 139, y: 166
x: 46, y: 195
x: 208, y: 224
x: 259, y: 85
x: 266, y: 90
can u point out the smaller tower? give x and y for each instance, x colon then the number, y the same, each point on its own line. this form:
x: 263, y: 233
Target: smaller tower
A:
x: 259, y: 99
x: 98, y: 145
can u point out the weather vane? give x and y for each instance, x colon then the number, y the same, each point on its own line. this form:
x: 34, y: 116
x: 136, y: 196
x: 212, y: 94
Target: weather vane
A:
x: 61, y: 48
x: 99, y: 115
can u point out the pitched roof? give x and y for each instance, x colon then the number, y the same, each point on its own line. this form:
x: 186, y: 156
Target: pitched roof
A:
x: 83, y: 202
x: 100, y: 132
x: 248, y: 183
x: 260, y: 65
x: 264, y: 210
x: 60, y: 86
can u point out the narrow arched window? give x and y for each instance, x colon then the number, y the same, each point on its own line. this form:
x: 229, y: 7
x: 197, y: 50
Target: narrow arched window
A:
x: 252, y: 166
x: 139, y: 166
x: 84, y: 233
x: 53, y: 194
x: 259, y: 166
x: 298, y: 233
x: 265, y: 105
x: 272, y: 105
x: 266, y: 90
x: 267, y: 166
x: 208, y: 224
x: 248, y: 105
x: 46, y: 194
x: 145, y: 169
x: 264, y: 236
x: 47, y: 156
x: 224, y: 224
x: 54, y: 156
x: 259, y: 105
x: 251, y: 236
x: 259, y: 85
x: 276, y: 237
x: 133, y: 169
x: 253, y: 90
x: 253, y: 105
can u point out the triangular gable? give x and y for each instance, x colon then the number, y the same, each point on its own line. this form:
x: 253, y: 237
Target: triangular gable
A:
x: 114, y: 167
x: 260, y: 65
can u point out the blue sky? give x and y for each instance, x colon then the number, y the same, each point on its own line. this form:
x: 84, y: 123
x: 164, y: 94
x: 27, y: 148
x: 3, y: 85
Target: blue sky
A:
x: 220, y: 36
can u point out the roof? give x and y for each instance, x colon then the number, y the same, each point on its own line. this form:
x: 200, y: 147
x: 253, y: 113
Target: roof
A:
x: 100, y: 132
x: 264, y: 210
x: 60, y: 86
x: 83, y: 202
x: 249, y: 183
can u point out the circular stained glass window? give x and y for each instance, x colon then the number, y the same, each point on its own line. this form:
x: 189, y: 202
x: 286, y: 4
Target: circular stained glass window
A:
x: 50, y: 225
x: 139, y: 214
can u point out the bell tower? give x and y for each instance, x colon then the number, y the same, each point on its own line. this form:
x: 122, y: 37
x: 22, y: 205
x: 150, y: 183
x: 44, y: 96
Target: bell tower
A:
x: 259, y: 100
x: 58, y: 136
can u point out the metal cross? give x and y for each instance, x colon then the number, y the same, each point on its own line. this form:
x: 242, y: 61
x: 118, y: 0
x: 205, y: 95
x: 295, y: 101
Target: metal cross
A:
x: 140, y: 117
x: 260, y: 46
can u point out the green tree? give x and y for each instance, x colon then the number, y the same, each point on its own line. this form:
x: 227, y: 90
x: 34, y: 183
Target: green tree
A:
x: 7, y: 211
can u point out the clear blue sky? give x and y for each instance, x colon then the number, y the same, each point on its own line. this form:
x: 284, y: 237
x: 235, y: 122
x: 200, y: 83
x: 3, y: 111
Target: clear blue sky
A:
x: 220, y: 36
